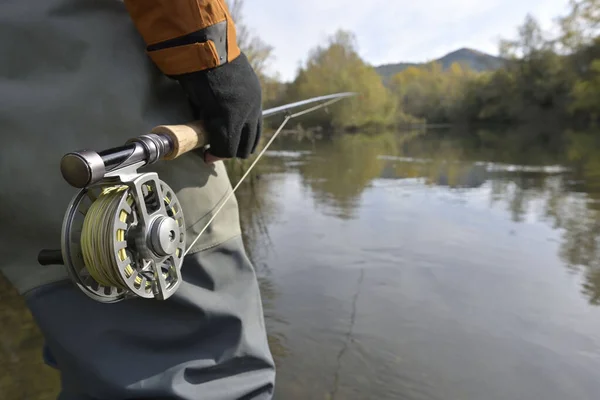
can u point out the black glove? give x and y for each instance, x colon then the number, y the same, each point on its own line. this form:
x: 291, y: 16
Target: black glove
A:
x: 229, y: 101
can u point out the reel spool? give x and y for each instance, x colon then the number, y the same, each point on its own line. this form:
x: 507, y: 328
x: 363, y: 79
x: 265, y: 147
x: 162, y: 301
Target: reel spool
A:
x: 125, y: 237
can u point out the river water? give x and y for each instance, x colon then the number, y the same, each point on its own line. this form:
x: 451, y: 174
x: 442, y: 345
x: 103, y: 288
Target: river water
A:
x: 420, y: 266
x: 417, y: 265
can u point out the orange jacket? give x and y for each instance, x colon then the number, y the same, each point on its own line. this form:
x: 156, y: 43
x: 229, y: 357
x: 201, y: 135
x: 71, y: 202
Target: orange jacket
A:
x: 184, y: 36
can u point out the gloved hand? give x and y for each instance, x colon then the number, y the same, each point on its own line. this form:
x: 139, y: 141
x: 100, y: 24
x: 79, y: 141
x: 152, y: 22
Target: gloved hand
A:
x: 228, y: 99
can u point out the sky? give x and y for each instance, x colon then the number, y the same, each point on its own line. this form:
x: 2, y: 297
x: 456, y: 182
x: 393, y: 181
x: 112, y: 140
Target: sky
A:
x: 390, y: 31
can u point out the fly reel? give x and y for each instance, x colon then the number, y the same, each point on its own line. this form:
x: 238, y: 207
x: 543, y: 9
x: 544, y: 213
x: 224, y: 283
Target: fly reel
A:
x: 125, y: 237
x: 123, y: 234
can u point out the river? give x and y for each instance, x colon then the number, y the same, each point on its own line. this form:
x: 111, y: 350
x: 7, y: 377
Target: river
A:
x: 416, y: 265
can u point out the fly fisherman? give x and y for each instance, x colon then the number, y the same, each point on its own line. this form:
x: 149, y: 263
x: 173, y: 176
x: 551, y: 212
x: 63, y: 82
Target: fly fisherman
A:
x: 78, y: 74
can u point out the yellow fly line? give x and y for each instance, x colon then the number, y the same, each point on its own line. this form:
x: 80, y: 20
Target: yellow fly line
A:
x: 99, y: 242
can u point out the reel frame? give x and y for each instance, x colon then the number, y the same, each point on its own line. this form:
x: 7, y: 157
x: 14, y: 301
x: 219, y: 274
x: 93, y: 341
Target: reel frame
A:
x: 149, y: 256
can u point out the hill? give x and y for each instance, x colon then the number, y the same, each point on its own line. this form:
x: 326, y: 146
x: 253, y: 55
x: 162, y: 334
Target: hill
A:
x: 476, y: 60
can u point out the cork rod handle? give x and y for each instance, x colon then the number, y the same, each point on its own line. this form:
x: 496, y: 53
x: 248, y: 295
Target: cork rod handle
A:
x: 185, y: 137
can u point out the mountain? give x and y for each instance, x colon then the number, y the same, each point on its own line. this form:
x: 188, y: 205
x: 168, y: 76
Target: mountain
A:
x: 476, y: 60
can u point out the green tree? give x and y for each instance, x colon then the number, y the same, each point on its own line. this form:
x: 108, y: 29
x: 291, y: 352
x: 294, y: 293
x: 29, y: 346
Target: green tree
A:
x: 343, y: 167
x: 546, y: 80
x: 581, y: 26
x: 337, y: 67
x: 431, y: 93
x: 586, y: 93
x: 539, y: 72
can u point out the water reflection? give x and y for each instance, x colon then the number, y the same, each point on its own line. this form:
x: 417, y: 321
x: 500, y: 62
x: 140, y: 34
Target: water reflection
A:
x: 257, y: 204
x: 557, y: 182
x: 339, y: 169
x: 580, y: 218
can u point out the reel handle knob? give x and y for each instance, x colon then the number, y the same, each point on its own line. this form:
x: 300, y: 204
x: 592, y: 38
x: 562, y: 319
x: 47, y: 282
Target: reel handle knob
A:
x: 184, y: 138
x: 50, y: 257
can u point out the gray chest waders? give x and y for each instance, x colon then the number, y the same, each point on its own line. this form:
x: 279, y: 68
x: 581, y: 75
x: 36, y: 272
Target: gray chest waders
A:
x: 123, y: 235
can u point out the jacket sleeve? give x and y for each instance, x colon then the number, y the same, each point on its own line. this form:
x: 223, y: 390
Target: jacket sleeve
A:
x: 184, y: 36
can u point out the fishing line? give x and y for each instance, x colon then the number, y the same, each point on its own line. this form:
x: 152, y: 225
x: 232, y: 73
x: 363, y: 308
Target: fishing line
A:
x: 97, y: 241
x: 285, y: 121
